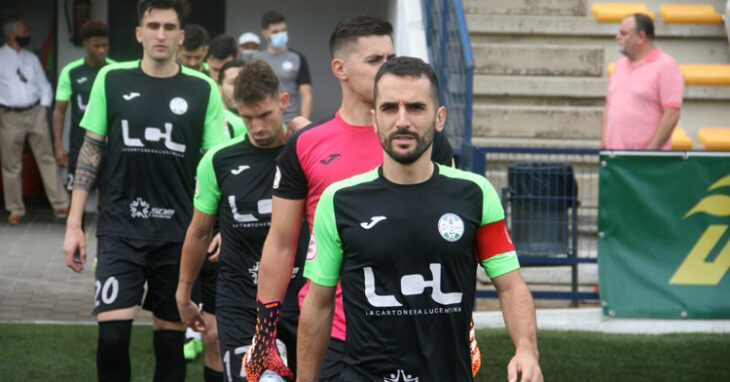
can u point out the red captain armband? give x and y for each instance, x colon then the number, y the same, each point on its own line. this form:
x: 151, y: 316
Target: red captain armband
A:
x: 491, y: 240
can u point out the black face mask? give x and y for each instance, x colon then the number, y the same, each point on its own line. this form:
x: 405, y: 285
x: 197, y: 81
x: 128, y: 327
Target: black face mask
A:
x: 22, y: 41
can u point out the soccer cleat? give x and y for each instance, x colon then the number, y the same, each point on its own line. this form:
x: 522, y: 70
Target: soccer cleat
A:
x: 15, y: 219
x: 192, y: 348
x: 476, y: 354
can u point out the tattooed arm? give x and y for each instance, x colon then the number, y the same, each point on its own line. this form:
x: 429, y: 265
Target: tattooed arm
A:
x: 87, y: 167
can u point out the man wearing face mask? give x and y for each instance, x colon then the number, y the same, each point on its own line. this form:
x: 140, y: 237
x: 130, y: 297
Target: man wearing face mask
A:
x: 25, y: 96
x: 289, y: 65
x: 248, y: 45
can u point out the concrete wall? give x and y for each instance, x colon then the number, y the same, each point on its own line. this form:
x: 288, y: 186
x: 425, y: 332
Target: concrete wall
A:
x: 310, y: 24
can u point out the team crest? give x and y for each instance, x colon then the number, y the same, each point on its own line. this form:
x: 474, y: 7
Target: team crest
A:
x: 451, y: 227
x: 287, y: 65
x: 178, y: 105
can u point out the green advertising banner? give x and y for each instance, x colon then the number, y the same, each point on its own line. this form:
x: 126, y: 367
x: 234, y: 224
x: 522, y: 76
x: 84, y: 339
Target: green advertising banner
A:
x: 664, y: 234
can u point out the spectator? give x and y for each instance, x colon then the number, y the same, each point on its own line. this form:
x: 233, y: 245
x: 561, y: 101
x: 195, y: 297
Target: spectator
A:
x: 25, y: 96
x: 248, y: 44
x: 644, y: 93
x: 222, y: 50
x: 289, y: 65
x: 194, y: 48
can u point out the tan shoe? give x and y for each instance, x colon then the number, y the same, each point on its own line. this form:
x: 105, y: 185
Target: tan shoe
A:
x: 62, y: 213
x: 15, y: 219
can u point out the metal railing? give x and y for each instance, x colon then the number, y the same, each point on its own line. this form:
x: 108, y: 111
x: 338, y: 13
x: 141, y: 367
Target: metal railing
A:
x: 550, y: 199
x: 447, y: 37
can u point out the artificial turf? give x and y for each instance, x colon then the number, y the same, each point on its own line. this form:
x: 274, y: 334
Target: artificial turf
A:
x: 31, y: 352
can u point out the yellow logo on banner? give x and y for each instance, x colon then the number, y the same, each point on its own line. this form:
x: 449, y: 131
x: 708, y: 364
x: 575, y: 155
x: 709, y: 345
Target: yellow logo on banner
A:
x: 695, y: 270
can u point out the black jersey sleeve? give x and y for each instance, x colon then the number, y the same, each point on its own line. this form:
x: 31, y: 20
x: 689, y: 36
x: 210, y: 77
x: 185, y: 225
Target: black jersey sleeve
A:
x: 303, y: 77
x: 442, y: 152
x: 290, y: 181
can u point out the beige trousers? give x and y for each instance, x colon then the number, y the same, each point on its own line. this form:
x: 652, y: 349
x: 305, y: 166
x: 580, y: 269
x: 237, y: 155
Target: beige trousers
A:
x: 14, y: 128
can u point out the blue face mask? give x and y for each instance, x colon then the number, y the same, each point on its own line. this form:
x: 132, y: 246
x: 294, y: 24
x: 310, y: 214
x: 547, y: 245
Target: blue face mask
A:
x: 279, y: 40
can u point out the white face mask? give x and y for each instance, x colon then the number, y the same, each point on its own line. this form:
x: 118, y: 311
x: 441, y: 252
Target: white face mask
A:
x: 247, y: 54
x: 279, y: 40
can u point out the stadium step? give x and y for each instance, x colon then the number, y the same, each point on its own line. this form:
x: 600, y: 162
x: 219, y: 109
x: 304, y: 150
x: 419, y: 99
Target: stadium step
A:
x: 582, y: 27
x: 518, y: 121
x: 529, y: 59
x: 686, y: 43
x: 524, y: 7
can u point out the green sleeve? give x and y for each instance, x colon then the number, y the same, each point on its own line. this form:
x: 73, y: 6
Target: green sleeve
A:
x: 215, y: 129
x: 207, y: 191
x: 236, y: 123
x: 94, y: 119
x: 64, y: 91
x: 501, y: 264
x: 324, y: 258
x: 492, y: 211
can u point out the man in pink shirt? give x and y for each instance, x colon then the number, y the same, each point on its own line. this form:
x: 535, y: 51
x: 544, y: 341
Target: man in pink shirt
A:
x: 644, y: 93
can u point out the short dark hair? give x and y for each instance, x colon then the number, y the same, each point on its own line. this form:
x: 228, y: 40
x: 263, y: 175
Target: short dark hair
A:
x: 271, y: 17
x: 255, y: 82
x: 179, y: 6
x: 195, y: 37
x: 644, y: 24
x: 222, y: 47
x: 350, y: 30
x: 409, y: 67
x: 228, y: 65
x: 94, y: 28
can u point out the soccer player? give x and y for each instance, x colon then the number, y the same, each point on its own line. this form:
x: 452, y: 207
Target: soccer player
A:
x: 74, y: 86
x: 234, y: 181
x: 314, y: 157
x: 194, y: 47
x: 226, y: 82
x: 405, y: 239
x: 150, y: 119
x: 222, y: 49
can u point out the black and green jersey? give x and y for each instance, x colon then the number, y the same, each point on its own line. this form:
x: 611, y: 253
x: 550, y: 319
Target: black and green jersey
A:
x: 74, y: 86
x: 234, y: 180
x: 156, y: 129
x: 234, y: 124
x: 406, y: 257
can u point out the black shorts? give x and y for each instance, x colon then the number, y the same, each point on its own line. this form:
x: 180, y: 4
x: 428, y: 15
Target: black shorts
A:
x: 236, y: 326
x: 123, y: 266
x: 333, y: 363
x: 205, y: 286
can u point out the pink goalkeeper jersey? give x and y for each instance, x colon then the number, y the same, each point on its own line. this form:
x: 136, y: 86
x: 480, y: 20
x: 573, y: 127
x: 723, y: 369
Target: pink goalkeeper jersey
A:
x: 637, y: 97
x: 324, y: 153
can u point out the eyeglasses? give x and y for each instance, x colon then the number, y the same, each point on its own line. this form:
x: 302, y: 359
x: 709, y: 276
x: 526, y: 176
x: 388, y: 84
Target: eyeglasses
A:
x: 21, y: 76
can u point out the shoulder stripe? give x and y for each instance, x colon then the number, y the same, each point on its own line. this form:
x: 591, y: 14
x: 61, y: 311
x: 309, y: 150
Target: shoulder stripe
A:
x: 72, y: 65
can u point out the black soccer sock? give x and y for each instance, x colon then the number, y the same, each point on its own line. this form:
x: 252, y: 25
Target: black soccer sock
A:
x: 170, y: 365
x: 212, y: 375
x: 112, y: 354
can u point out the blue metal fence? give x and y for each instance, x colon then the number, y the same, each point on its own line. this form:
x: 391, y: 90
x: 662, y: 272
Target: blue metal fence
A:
x: 550, y: 199
x: 450, y: 52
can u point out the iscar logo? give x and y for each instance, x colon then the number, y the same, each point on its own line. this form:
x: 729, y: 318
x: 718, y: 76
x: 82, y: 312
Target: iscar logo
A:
x: 695, y: 269
x: 139, y: 208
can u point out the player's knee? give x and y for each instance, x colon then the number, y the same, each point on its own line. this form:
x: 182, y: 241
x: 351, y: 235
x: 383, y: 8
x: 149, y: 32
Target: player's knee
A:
x: 114, y: 335
x: 210, y: 338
